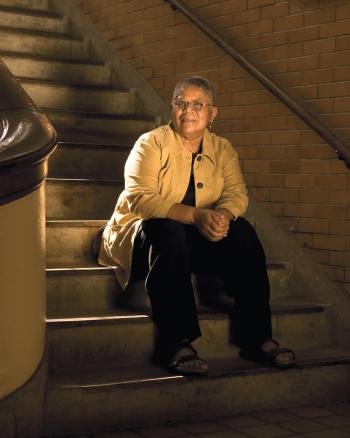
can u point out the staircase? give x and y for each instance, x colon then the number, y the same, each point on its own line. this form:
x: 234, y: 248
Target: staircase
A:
x: 100, y: 377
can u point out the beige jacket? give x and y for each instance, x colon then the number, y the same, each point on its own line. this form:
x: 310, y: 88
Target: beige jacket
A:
x: 157, y: 173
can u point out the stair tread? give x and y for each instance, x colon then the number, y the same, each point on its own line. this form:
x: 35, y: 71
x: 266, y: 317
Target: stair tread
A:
x: 96, y: 267
x: 56, y: 35
x: 87, y: 222
x: 97, y: 115
x: 113, y: 146
x: 31, y: 12
x: 75, y: 86
x: 76, y: 222
x: 38, y: 57
x: 107, y: 377
x: 86, y: 181
x: 88, y: 267
x: 118, y: 315
x: 71, y: 135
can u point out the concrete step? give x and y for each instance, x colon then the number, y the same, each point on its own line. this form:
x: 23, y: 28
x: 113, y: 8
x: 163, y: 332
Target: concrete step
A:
x: 42, y: 5
x: 68, y: 243
x: 43, y: 43
x: 81, y: 199
x: 104, y: 400
x: 81, y: 290
x: 71, y: 134
x: 32, y: 20
x: 94, y: 124
x: 126, y: 338
x: 88, y: 289
x: 88, y: 161
x: 51, y: 69
x: 104, y: 100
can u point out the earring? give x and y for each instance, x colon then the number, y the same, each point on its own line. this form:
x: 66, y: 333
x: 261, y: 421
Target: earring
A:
x: 210, y: 126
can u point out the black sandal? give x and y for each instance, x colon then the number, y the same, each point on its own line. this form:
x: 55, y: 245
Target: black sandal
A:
x: 270, y: 357
x: 175, y: 364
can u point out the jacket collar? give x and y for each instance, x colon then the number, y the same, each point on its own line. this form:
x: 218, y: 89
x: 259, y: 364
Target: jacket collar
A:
x: 207, y: 144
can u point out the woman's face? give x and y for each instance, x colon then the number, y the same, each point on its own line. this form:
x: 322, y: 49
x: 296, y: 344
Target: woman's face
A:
x: 190, y: 123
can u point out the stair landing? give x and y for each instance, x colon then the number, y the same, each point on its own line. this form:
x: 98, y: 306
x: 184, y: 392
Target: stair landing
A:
x: 318, y: 421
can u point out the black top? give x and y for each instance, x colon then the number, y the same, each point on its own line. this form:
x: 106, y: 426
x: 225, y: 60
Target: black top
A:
x: 190, y: 195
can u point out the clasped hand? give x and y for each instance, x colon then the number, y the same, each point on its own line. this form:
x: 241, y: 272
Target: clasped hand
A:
x: 212, y: 224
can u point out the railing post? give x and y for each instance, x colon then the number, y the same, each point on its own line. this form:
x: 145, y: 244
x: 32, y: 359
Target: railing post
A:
x: 26, y: 140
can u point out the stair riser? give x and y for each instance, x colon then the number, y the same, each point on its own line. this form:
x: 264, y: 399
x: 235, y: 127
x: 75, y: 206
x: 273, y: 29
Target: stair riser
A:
x: 81, y: 292
x: 72, y: 292
x: 29, y: 4
x: 104, y: 127
x: 69, y: 245
x: 75, y: 99
x: 100, y: 410
x: 43, y: 45
x: 88, y: 162
x: 58, y: 71
x: 80, y: 201
x: 131, y: 343
x: 47, y: 24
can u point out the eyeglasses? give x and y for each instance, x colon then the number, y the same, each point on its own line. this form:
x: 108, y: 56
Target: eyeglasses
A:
x: 195, y: 105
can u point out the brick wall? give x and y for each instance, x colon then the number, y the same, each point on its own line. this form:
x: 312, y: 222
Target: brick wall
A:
x: 304, y: 45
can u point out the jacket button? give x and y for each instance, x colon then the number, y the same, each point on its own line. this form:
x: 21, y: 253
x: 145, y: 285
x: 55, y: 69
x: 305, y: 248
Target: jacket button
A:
x: 199, y: 185
x: 199, y: 158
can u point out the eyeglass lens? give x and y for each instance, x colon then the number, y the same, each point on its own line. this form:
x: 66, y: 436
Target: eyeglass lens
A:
x: 194, y: 104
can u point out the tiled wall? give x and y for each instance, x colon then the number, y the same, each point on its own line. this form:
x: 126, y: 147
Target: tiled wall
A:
x: 304, y: 45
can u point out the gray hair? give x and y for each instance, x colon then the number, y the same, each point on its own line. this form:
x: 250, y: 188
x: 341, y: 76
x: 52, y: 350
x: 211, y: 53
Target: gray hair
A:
x: 195, y: 81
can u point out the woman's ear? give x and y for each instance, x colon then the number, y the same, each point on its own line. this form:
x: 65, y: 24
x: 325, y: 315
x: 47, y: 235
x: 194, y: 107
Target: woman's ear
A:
x: 213, y: 113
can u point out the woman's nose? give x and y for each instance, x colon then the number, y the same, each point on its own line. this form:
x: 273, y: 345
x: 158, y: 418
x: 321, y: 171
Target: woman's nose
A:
x: 188, y: 106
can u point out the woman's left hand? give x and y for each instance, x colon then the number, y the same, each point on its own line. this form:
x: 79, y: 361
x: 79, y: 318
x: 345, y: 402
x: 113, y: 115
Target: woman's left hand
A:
x: 212, y: 224
x: 220, y: 227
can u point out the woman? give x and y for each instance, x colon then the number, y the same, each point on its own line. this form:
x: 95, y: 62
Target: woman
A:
x: 181, y: 212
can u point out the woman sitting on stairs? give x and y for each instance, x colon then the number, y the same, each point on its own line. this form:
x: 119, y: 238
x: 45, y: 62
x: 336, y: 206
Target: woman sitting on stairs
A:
x: 180, y: 213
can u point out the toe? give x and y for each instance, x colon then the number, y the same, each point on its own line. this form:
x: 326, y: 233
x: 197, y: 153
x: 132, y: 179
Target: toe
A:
x: 285, y: 358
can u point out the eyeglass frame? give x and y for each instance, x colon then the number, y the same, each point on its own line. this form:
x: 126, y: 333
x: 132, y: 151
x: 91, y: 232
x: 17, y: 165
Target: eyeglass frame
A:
x: 190, y: 103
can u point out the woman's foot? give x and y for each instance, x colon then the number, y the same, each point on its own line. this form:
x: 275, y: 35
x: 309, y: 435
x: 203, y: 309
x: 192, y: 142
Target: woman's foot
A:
x: 186, y: 361
x: 270, y: 352
x: 278, y: 356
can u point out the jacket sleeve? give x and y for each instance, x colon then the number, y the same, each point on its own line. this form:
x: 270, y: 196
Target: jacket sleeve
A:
x: 234, y: 196
x: 141, y: 174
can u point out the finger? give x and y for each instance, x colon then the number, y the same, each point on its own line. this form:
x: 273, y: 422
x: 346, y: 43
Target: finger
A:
x: 218, y: 218
x: 216, y: 235
x: 215, y: 239
x: 207, y: 233
x: 212, y: 239
x: 219, y: 228
x: 223, y: 229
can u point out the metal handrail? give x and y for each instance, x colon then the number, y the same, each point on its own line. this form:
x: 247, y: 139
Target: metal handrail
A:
x: 342, y: 149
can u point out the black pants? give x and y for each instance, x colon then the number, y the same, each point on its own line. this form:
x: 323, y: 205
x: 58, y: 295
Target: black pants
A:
x: 171, y: 251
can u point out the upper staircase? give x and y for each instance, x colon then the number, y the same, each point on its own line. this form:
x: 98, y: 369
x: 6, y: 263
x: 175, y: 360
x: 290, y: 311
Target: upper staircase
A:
x: 100, y: 376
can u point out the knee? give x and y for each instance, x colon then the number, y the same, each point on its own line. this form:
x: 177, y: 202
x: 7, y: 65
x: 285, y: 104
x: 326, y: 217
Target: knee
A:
x: 243, y: 238
x: 167, y: 231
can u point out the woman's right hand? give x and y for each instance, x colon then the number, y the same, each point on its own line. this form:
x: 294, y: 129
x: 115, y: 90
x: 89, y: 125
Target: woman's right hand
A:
x: 212, y: 224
